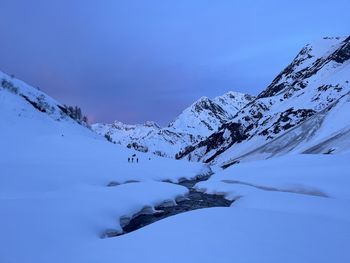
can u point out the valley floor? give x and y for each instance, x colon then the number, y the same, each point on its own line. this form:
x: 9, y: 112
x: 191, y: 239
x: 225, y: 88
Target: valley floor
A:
x: 288, y: 209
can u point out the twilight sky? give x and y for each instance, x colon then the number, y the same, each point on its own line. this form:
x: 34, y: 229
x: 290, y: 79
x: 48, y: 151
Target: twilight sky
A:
x: 148, y: 60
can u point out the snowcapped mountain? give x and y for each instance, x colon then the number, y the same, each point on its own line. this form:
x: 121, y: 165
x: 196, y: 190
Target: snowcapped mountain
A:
x: 148, y: 137
x: 124, y: 132
x: 195, y: 123
x: 205, y: 116
x: 315, y: 80
x: 201, y: 118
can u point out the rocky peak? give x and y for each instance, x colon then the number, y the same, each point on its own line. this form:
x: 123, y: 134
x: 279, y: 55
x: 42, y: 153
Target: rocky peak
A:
x: 205, y: 116
x: 316, y: 79
x: 233, y: 101
x: 307, y: 63
x: 343, y: 53
x: 205, y: 104
x: 152, y: 124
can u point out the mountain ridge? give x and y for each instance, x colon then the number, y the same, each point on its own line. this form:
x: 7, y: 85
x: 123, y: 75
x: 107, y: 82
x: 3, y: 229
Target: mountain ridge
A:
x: 317, y: 77
x: 196, y: 122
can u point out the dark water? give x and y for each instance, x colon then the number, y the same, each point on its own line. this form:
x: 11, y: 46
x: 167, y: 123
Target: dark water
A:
x: 194, y: 200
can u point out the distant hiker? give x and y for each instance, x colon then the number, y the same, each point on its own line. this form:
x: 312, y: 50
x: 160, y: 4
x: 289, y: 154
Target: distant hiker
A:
x: 128, y: 159
x: 132, y: 159
x: 137, y: 160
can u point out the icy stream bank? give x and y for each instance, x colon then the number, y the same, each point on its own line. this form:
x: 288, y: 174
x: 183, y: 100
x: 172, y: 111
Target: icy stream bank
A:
x: 194, y: 200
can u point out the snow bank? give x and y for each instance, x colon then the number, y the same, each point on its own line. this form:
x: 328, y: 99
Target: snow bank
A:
x: 272, y: 220
x: 325, y: 175
x: 232, y: 235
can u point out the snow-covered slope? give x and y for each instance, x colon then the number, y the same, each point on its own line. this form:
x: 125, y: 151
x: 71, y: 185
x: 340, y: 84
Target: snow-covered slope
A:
x: 205, y: 116
x: 54, y: 199
x: 328, y: 131
x: 201, y: 118
x: 195, y: 123
x: 232, y: 101
x: 281, y: 213
x: 39, y: 100
x: 316, y: 79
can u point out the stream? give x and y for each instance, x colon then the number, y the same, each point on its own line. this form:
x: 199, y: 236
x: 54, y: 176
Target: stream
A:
x: 192, y: 201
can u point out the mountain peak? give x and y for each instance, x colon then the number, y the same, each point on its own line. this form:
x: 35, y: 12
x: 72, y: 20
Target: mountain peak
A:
x: 206, y: 115
x: 290, y: 111
x: 203, y: 98
x: 151, y: 124
x: 312, y: 58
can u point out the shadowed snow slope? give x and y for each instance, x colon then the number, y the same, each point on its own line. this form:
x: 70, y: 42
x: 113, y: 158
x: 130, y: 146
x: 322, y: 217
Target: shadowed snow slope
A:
x: 328, y: 132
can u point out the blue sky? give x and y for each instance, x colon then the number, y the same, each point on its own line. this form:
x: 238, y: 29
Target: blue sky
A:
x: 147, y: 60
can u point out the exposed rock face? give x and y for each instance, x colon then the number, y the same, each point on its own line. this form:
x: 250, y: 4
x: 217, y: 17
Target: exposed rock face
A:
x: 307, y: 63
x: 317, y: 78
x: 232, y: 102
x: 229, y: 134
